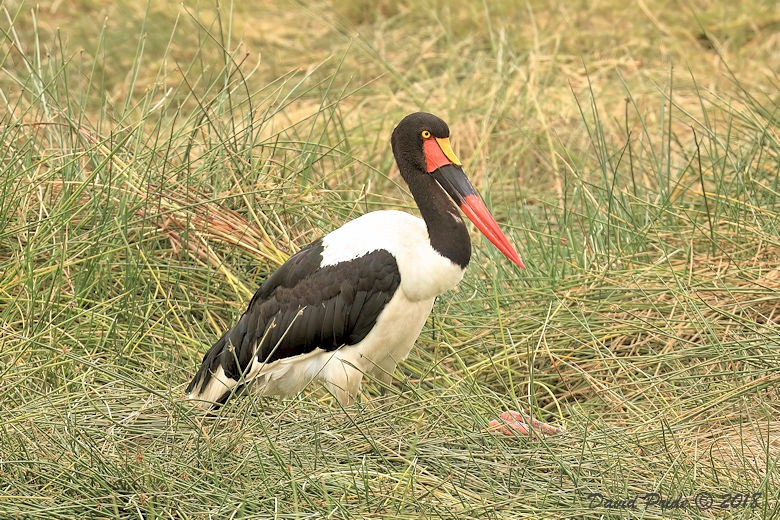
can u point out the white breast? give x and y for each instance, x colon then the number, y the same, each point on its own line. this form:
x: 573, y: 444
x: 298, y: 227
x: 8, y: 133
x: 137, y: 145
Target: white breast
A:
x: 425, y: 273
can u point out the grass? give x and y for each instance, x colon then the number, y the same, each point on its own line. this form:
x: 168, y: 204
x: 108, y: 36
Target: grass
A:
x: 159, y: 161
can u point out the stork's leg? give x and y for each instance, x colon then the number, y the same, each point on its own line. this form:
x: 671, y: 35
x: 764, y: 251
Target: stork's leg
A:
x: 381, y: 372
x: 386, y: 382
x: 514, y: 423
x: 343, y: 381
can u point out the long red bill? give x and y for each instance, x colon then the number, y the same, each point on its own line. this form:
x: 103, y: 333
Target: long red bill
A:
x: 442, y: 163
x: 474, y: 208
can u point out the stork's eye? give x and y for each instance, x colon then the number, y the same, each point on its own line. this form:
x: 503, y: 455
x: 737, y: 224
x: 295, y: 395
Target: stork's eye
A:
x: 425, y: 134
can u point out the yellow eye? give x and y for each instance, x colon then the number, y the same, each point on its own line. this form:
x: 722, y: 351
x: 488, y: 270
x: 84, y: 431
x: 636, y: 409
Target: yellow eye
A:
x: 425, y: 134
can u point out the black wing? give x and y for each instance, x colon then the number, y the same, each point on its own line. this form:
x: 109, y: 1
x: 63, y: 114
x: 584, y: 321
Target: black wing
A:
x: 303, y: 306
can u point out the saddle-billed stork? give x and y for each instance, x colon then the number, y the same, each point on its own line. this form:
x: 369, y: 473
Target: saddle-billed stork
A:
x: 354, y: 301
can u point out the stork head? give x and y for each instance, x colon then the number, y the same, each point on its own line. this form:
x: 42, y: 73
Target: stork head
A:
x: 421, y: 145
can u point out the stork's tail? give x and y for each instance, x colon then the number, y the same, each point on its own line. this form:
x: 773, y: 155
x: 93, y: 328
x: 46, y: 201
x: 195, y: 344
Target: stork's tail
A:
x: 217, y: 376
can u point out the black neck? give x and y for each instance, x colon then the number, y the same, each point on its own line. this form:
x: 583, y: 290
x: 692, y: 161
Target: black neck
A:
x: 446, y: 229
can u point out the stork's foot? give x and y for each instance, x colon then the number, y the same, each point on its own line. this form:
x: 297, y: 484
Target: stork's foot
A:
x: 520, y: 423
